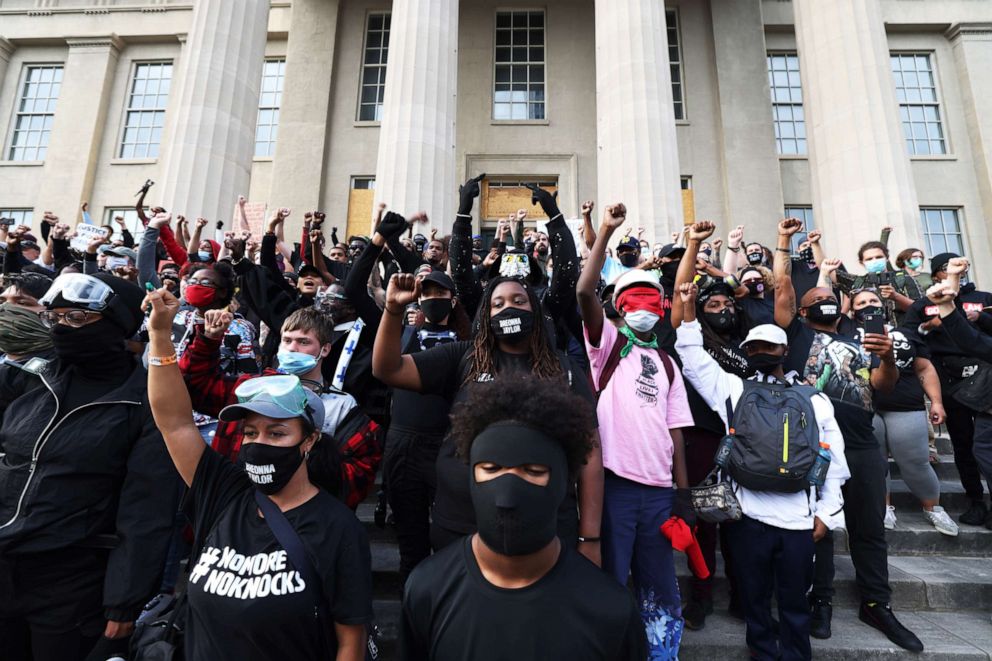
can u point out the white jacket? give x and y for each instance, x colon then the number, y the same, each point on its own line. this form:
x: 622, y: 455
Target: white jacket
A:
x: 792, y: 511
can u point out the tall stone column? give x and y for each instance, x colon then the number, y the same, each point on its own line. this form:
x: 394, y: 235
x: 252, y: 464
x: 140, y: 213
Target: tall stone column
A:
x: 859, y: 167
x: 972, y: 46
x: 80, y: 119
x: 415, y: 168
x: 638, y: 158
x: 208, y: 154
x: 299, y: 164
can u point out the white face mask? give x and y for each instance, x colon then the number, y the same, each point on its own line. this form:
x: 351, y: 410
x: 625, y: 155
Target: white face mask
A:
x: 641, y: 321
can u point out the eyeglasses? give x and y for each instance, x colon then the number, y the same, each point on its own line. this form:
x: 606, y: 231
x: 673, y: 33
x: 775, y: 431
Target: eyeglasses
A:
x: 73, y: 318
x: 203, y: 282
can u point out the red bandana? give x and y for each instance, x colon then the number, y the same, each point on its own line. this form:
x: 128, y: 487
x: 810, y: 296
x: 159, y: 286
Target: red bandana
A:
x: 640, y: 298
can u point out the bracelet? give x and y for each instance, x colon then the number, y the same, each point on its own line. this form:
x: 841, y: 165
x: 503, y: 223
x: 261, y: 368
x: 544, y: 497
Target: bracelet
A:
x: 589, y: 539
x: 783, y: 250
x: 463, y: 215
x: 557, y: 217
x: 160, y: 361
x: 390, y: 312
x: 737, y: 249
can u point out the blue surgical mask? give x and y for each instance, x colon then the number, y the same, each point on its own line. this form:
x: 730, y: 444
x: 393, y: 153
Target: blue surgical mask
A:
x: 875, y: 266
x: 915, y: 263
x: 296, y: 363
x: 205, y: 255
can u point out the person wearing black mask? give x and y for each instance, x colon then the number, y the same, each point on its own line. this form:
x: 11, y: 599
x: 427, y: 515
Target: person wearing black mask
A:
x: 356, y: 245
x: 806, y: 267
x: 628, y: 256
x: 249, y: 595
x: 489, y: 595
x: 849, y: 373
x: 87, y: 492
x: 757, y: 302
x: 511, y: 342
x: 756, y: 254
x: 22, y: 334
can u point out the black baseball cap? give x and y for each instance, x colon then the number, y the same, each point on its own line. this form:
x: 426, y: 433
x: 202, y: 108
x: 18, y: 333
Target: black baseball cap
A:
x: 939, y: 262
x: 308, y: 270
x: 672, y: 250
x: 441, y: 279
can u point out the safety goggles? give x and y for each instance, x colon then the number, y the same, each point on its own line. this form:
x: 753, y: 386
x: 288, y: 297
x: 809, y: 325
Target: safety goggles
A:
x: 285, y: 391
x: 80, y: 289
x: 514, y: 265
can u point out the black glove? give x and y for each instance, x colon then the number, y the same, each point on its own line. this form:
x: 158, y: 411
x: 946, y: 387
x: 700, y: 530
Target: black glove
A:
x: 107, y: 648
x: 683, y: 507
x: 467, y: 193
x: 392, y: 224
x: 548, y: 202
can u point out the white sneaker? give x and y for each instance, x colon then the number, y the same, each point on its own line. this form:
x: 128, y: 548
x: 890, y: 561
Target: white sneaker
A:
x: 939, y: 519
x: 890, y: 517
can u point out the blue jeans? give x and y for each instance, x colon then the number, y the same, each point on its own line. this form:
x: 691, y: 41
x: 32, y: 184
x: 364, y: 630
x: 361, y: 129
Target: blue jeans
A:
x: 633, y: 545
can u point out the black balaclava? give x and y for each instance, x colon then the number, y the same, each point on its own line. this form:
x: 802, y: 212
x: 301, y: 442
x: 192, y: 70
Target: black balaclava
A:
x: 93, y: 347
x: 516, y: 517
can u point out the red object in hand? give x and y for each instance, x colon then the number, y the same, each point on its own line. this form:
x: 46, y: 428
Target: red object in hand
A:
x: 680, y: 535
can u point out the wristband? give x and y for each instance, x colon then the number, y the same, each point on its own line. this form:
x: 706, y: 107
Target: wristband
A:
x: 556, y: 217
x: 589, y: 539
x: 737, y: 249
x: 783, y: 250
x: 160, y: 361
x: 390, y: 312
x: 464, y: 215
x: 732, y: 281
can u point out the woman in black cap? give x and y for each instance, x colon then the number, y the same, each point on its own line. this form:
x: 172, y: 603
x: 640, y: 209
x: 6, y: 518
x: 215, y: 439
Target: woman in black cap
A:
x: 248, y: 598
x: 86, y: 488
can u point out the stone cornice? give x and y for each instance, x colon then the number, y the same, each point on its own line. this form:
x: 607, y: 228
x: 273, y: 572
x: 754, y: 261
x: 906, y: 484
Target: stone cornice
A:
x: 981, y: 31
x: 6, y: 49
x: 110, y: 41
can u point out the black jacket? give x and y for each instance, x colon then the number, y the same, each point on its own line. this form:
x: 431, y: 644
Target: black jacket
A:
x: 940, y: 342
x: 98, y: 477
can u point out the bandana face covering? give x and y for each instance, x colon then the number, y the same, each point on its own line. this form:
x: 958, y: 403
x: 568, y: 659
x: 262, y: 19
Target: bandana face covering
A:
x: 515, y: 516
x: 640, y: 298
x: 21, y: 331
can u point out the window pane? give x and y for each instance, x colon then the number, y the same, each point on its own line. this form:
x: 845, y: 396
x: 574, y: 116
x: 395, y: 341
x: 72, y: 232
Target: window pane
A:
x: 374, y: 59
x: 146, y: 110
x: 35, y: 110
x: 675, y: 61
x: 518, y: 53
x: 916, y: 92
x: 787, y: 110
x: 270, y: 99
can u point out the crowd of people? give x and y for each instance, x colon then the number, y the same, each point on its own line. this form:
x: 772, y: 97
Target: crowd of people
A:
x: 188, y: 424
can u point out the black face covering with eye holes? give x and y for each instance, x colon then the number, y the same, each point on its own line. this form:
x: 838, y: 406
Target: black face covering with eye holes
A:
x: 514, y: 516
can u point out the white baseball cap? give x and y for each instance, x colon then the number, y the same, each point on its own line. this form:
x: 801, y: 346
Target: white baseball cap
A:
x: 766, y: 333
x: 632, y: 278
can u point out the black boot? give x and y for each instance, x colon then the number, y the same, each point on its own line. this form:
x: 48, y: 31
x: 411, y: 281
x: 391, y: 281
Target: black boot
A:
x: 694, y: 615
x: 881, y: 617
x: 975, y: 515
x: 821, y: 612
x: 735, y: 610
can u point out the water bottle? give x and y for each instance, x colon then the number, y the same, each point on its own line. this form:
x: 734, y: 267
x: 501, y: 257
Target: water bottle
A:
x: 818, y: 473
x: 723, y: 451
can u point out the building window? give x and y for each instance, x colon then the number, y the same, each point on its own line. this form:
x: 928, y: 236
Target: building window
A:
x: 363, y: 183
x: 805, y: 214
x: 269, y: 100
x: 35, y: 113
x: 146, y: 102
x: 374, y: 67
x: 675, y: 61
x: 916, y: 91
x: 19, y: 216
x: 502, y: 196
x: 787, y: 103
x: 942, y: 231
x: 131, y: 220
x: 518, y: 83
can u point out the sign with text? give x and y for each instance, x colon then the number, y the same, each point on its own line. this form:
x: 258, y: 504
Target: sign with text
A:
x: 255, y: 213
x: 85, y: 234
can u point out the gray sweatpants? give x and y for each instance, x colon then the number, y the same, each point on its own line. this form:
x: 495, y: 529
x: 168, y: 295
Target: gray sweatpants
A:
x: 903, y: 435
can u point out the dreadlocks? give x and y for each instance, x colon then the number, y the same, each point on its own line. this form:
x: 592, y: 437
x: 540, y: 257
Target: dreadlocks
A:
x: 483, y: 356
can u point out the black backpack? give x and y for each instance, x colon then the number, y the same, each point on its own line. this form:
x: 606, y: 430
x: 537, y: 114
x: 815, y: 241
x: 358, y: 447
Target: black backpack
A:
x: 776, y: 438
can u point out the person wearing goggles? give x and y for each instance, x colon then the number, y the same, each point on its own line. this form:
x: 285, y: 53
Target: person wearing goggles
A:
x: 88, y: 495
x: 264, y: 607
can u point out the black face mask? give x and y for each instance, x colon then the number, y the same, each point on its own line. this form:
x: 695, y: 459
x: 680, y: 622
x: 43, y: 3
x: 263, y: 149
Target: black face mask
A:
x: 436, y: 310
x: 875, y: 310
x: 270, y: 467
x: 721, y: 321
x: 823, y: 312
x: 755, y: 258
x: 628, y: 259
x: 512, y: 324
x: 755, y: 288
x: 669, y: 270
x: 89, y: 346
x: 609, y: 310
x: 516, y: 517
x: 806, y: 254
x: 765, y: 363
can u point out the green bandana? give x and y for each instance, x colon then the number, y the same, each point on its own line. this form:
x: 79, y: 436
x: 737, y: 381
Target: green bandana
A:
x: 21, y: 331
x: 633, y: 339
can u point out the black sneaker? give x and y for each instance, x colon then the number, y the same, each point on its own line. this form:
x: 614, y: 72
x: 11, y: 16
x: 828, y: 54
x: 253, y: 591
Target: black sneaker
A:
x: 735, y: 610
x: 881, y: 617
x: 976, y: 514
x: 694, y: 615
x: 821, y: 612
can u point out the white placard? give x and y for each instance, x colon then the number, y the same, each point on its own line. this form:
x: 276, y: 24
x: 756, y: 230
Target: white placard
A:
x: 84, y: 234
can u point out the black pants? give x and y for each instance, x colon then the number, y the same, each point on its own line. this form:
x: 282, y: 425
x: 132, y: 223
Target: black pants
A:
x: 767, y: 558
x: 700, y: 448
x: 864, y: 513
x: 409, y: 468
x: 961, y: 428
x: 51, y: 608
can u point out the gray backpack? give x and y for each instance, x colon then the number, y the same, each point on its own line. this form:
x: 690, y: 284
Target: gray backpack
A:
x: 776, y: 438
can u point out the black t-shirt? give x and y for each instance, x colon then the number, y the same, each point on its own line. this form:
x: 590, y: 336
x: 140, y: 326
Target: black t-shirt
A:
x: 443, y: 371
x: 804, y: 277
x: 574, y: 612
x: 246, y: 599
x: 757, y: 311
x: 840, y: 368
x: 908, y: 393
x: 413, y: 410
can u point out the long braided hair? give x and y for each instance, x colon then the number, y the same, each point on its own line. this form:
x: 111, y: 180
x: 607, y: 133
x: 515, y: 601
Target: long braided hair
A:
x: 545, y: 363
